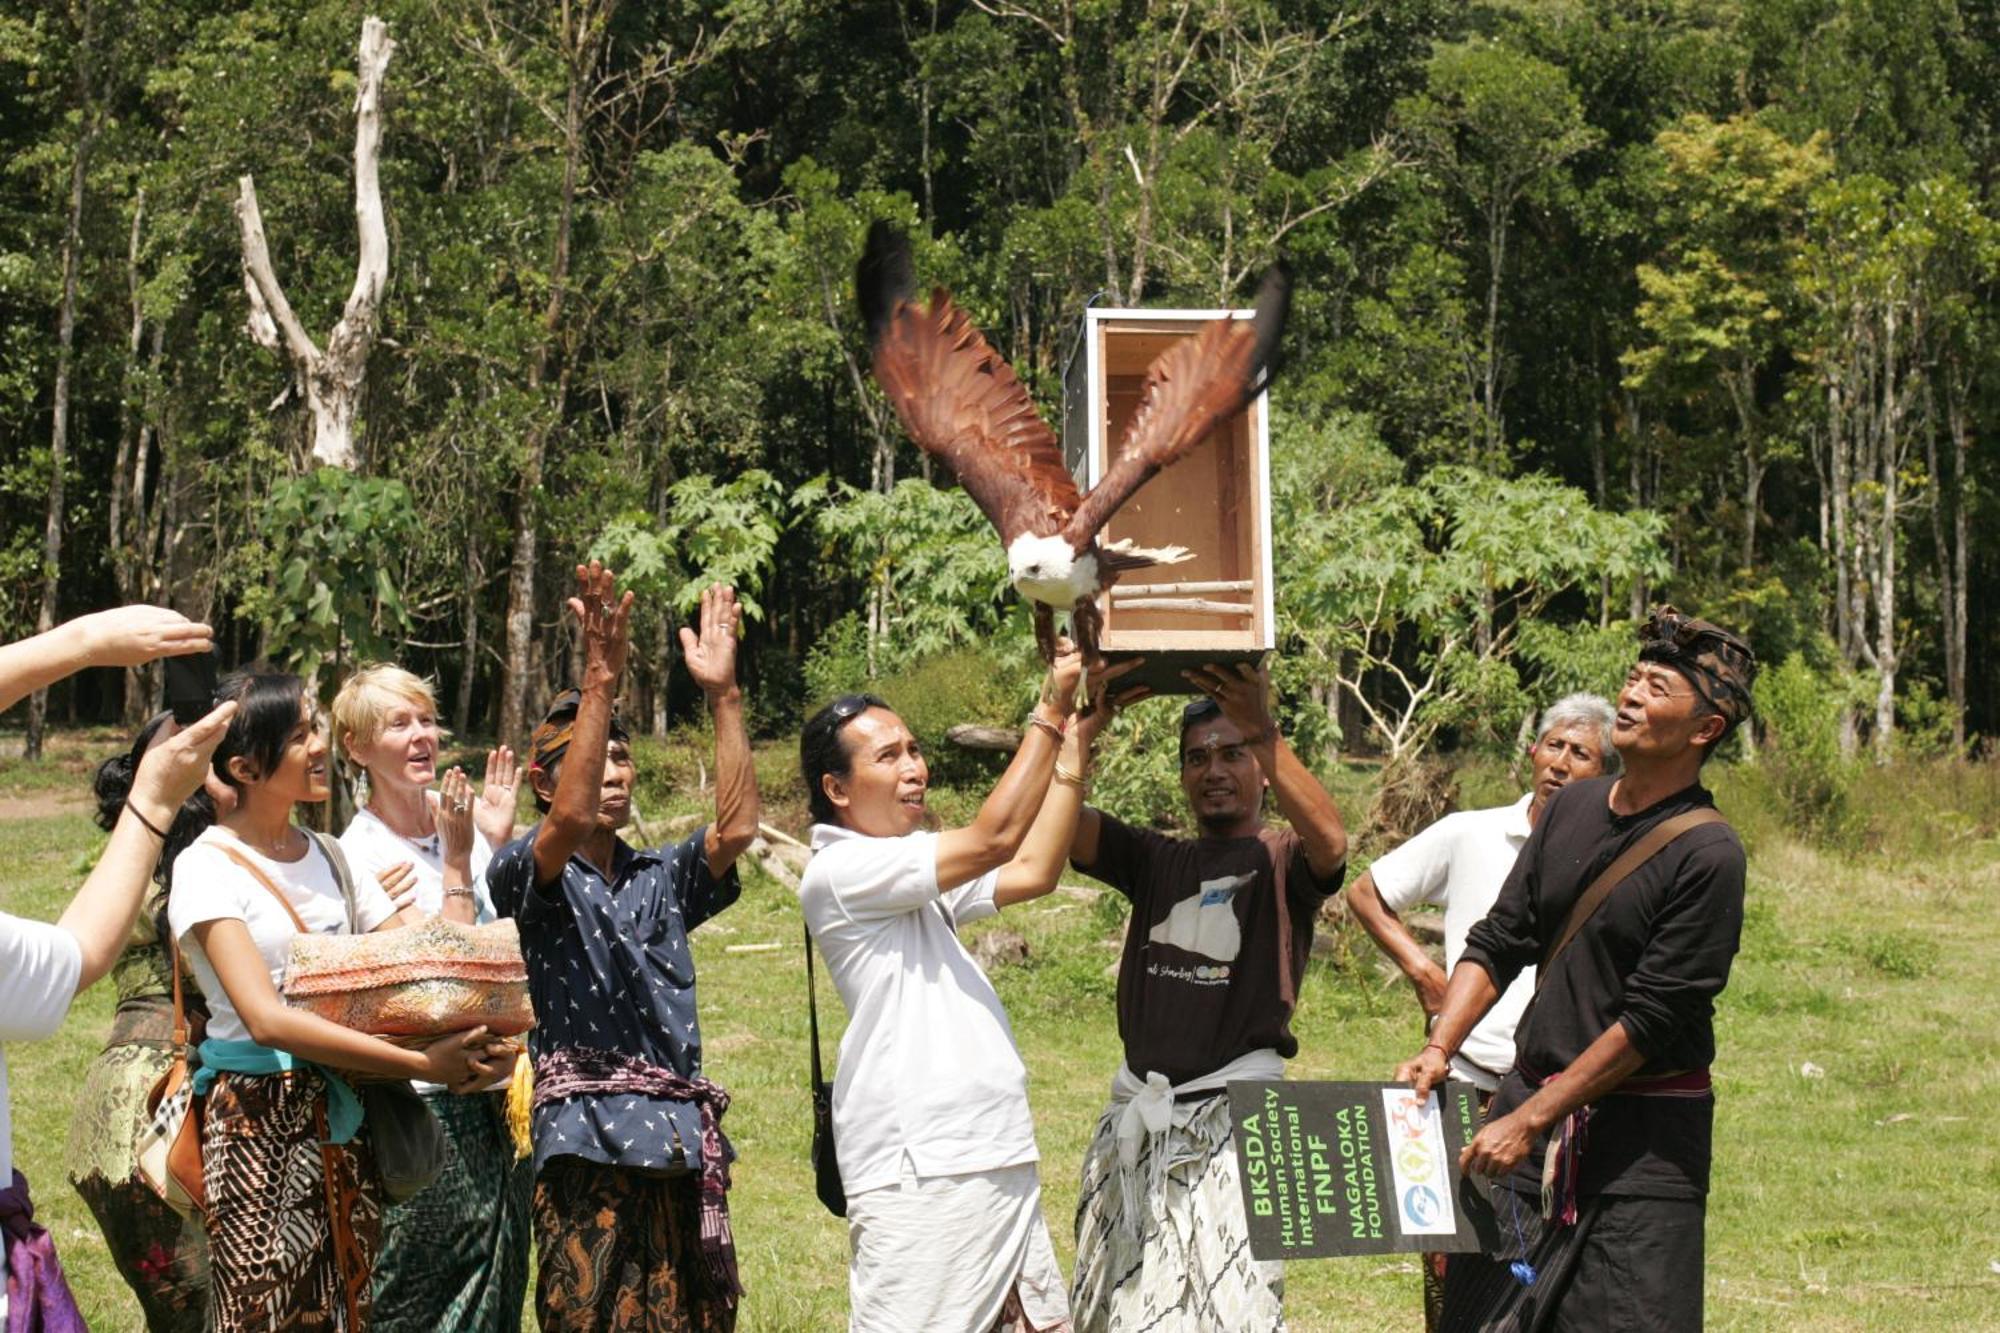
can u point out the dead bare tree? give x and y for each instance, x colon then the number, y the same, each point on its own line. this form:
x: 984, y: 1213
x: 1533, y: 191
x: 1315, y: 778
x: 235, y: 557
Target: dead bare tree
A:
x: 330, y: 377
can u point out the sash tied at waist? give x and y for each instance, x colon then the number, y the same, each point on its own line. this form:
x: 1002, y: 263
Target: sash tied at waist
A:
x: 1144, y: 1110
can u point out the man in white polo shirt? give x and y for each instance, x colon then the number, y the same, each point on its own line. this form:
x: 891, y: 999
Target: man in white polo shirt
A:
x: 930, y: 1107
x: 1458, y: 864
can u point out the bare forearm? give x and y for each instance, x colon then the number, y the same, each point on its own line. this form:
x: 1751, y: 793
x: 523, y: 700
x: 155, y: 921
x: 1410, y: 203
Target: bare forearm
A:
x: 102, y: 913
x: 1308, y: 806
x: 1038, y: 865
x: 310, y: 1037
x: 737, y: 807
x: 33, y: 664
x: 1466, y: 1000
x: 996, y: 833
x: 579, y: 788
x: 1604, y: 1064
x: 1011, y: 808
x: 1364, y: 900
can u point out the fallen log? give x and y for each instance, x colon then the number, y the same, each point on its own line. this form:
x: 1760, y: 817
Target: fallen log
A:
x: 974, y: 736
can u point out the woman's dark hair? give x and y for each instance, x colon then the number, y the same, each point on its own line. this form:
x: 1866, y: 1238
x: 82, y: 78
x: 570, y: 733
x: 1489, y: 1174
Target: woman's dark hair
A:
x: 821, y: 751
x: 267, y: 709
x: 113, y: 785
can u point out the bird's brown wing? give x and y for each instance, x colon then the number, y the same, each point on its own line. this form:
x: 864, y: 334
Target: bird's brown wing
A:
x: 1191, y: 388
x: 961, y: 402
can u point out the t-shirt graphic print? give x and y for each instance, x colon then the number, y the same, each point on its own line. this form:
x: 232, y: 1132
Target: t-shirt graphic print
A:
x: 1218, y: 938
x: 1206, y: 925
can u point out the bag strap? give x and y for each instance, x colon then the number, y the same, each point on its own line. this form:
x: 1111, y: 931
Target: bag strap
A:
x: 265, y: 880
x: 812, y: 1012
x: 343, y: 875
x: 1640, y: 852
x: 180, y: 1005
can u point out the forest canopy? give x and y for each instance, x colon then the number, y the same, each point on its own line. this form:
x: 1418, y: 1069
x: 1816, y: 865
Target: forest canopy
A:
x: 1599, y: 303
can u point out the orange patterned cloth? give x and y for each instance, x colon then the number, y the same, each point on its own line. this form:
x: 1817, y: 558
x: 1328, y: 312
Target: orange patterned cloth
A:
x: 426, y: 981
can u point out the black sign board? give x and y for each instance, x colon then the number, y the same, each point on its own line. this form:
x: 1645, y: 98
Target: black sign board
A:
x: 1358, y: 1168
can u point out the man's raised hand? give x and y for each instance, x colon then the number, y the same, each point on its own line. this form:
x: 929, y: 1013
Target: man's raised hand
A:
x: 1242, y: 692
x: 606, y: 624
x: 711, y: 654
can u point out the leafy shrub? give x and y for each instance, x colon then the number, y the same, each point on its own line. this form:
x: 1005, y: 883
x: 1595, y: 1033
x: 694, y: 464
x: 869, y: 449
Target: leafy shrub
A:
x: 1137, y: 776
x: 1800, y: 709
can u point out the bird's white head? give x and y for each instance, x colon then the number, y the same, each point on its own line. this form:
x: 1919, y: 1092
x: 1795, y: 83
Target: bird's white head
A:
x: 1044, y: 569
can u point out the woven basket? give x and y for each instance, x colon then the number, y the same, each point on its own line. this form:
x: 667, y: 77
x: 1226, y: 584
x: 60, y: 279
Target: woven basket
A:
x: 426, y: 981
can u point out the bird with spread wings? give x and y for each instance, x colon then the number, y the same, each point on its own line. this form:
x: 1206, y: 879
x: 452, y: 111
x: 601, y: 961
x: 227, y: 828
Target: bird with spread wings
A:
x: 961, y: 402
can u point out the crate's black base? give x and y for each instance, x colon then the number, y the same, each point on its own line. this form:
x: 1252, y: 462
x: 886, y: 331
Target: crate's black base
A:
x: 1162, y: 670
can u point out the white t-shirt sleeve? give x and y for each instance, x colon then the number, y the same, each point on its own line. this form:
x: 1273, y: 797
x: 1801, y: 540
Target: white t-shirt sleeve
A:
x: 873, y: 878
x: 1417, y: 871
x: 208, y: 886
x: 970, y: 902
x: 39, y: 967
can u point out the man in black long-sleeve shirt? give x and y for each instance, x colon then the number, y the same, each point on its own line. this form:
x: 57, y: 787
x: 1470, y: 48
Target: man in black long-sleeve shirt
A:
x: 1599, y: 1139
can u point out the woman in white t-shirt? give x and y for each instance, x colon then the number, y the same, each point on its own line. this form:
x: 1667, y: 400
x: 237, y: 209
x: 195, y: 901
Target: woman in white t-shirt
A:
x: 930, y: 1105
x: 456, y: 1255
x: 294, y: 1203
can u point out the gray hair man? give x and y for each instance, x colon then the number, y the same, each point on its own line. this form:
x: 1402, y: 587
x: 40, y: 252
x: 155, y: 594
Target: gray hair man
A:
x: 1458, y: 864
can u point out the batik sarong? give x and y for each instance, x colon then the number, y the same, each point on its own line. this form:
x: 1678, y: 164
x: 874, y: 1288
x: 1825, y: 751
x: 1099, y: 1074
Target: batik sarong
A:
x: 455, y: 1258
x: 293, y: 1221
x: 1631, y: 1264
x: 162, y: 1256
x: 620, y: 1252
x: 1179, y: 1261
x: 966, y: 1253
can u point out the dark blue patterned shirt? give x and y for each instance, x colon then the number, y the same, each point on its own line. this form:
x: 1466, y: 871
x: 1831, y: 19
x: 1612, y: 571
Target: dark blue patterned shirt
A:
x: 609, y: 966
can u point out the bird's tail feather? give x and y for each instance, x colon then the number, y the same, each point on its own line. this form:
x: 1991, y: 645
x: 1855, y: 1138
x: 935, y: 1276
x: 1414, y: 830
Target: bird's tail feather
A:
x: 1120, y: 556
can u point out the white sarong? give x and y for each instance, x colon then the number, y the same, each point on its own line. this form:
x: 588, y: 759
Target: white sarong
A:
x: 943, y: 1254
x: 1161, y: 1240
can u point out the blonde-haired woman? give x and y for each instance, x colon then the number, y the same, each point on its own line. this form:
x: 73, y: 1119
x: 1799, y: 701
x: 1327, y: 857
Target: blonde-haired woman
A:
x: 456, y: 1255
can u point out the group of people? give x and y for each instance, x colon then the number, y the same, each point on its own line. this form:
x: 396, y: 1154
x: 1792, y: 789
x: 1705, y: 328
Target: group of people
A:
x: 1589, y: 1032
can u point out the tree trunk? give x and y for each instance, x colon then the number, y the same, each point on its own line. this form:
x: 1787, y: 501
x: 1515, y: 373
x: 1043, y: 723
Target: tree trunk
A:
x: 52, y: 530
x: 123, y: 465
x: 515, y: 673
x: 332, y: 379
x: 468, y: 666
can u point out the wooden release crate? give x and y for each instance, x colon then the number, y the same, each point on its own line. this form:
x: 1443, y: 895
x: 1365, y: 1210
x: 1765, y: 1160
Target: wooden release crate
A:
x: 1218, y: 606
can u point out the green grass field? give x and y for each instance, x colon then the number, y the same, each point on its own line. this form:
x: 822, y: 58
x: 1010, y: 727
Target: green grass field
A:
x: 1866, y: 1196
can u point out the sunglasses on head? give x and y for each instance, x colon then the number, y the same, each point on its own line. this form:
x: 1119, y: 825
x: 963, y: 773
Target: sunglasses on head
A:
x: 847, y: 707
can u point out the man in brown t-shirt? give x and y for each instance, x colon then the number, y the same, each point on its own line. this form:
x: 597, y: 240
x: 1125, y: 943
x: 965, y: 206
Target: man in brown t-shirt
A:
x: 1221, y: 927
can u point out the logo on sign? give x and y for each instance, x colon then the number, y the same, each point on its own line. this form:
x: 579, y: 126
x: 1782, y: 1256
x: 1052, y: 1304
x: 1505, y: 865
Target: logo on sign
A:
x: 1421, y: 1205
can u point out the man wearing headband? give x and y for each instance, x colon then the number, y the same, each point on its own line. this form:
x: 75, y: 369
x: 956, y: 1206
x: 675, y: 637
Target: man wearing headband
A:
x: 631, y: 1216
x: 1220, y: 931
x: 1598, y: 1141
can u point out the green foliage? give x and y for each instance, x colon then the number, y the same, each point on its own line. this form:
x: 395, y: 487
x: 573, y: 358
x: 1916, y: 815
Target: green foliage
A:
x: 329, y: 540
x: 932, y: 570
x: 1800, y: 711
x: 1137, y: 774
x: 1416, y: 595
x: 723, y: 532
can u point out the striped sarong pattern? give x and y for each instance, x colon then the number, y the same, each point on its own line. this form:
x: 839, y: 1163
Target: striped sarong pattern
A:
x: 1184, y: 1265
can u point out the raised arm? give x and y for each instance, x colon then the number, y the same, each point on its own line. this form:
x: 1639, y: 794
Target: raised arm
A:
x: 711, y: 660
x: 1010, y: 809
x: 606, y: 626
x: 122, y: 637
x: 1051, y: 842
x: 102, y: 913
x: 1243, y: 693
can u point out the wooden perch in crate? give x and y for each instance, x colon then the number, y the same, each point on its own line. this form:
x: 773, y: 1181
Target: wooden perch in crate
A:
x: 1133, y: 592
x: 1198, y: 605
